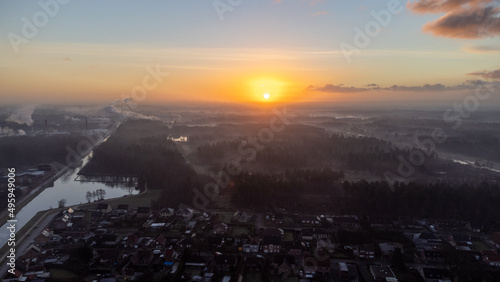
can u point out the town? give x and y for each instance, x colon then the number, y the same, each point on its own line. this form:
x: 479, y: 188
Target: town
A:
x: 108, y: 241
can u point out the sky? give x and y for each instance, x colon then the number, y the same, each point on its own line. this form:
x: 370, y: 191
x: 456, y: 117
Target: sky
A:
x: 235, y: 51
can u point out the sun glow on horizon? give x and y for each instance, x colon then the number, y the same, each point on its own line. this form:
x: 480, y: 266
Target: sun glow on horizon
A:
x: 267, y: 89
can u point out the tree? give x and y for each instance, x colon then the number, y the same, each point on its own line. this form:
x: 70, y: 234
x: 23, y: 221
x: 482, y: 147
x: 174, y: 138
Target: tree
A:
x: 84, y: 253
x: 61, y: 203
x: 88, y: 196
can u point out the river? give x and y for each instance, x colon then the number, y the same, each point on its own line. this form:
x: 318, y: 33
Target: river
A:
x: 64, y: 188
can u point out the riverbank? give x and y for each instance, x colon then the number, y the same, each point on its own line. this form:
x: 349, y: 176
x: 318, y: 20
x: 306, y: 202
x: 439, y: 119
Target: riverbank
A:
x: 23, y: 201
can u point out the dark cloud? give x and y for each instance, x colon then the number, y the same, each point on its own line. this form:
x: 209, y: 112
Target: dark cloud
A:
x: 468, y: 85
x: 466, y: 19
x: 338, y: 89
x: 487, y: 74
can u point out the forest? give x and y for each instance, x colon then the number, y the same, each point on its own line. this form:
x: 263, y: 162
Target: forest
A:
x: 477, y: 202
x: 141, y: 149
x: 33, y: 150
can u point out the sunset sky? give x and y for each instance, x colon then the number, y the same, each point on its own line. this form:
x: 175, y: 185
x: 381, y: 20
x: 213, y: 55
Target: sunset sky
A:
x: 429, y: 51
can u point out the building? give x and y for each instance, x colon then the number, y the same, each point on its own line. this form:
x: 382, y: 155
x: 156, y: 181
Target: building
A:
x: 382, y: 273
x: 104, y: 208
x: 252, y: 246
x: 271, y: 244
x: 143, y: 212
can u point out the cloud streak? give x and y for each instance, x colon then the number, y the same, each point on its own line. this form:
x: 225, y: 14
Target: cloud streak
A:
x: 340, y: 88
x: 487, y: 74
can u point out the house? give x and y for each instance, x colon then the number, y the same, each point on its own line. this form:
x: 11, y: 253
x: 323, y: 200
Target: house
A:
x: 105, y: 240
x: 320, y: 234
x: 313, y: 266
x: 252, y: 246
x: 409, y: 223
x: 495, y: 239
x: 271, y: 240
x: 382, y: 222
x: 461, y: 242
x: 428, y: 238
x: 382, y: 273
x: 309, y: 220
x: 185, y: 213
x: 196, y: 261
x: 365, y: 251
x: 242, y: 217
x: 166, y: 213
x: 285, y: 265
x: 220, y: 228
x: 307, y: 234
x: 104, y: 208
x: 129, y: 241
x: 186, y: 242
x: 294, y: 248
x: 450, y: 225
x: 170, y: 256
x: 160, y: 241
x: 435, y: 274
x: 191, y: 225
x: 76, y: 230
x: 142, y: 257
x: 143, y: 212
x: 345, y: 222
x: 122, y: 208
x: 433, y: 256
x: 347, y: 272
x: 225, y: 262
x: 271, y: 244
x: 44, y: 237
x: 491, y: 258
x: 387, y: 249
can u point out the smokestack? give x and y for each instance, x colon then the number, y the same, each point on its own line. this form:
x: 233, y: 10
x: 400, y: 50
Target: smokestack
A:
x: 86, y: 124
x: 45, y: 129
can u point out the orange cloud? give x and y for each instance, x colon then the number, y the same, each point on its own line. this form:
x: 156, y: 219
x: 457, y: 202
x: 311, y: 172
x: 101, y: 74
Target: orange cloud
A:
x: 438, y: 6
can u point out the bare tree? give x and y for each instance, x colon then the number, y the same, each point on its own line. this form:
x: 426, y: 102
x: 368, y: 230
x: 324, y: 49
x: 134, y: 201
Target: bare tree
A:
x: 61, y: 203
x: 88, y: 196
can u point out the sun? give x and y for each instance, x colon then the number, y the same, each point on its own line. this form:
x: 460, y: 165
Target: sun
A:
x: 267, y: 96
